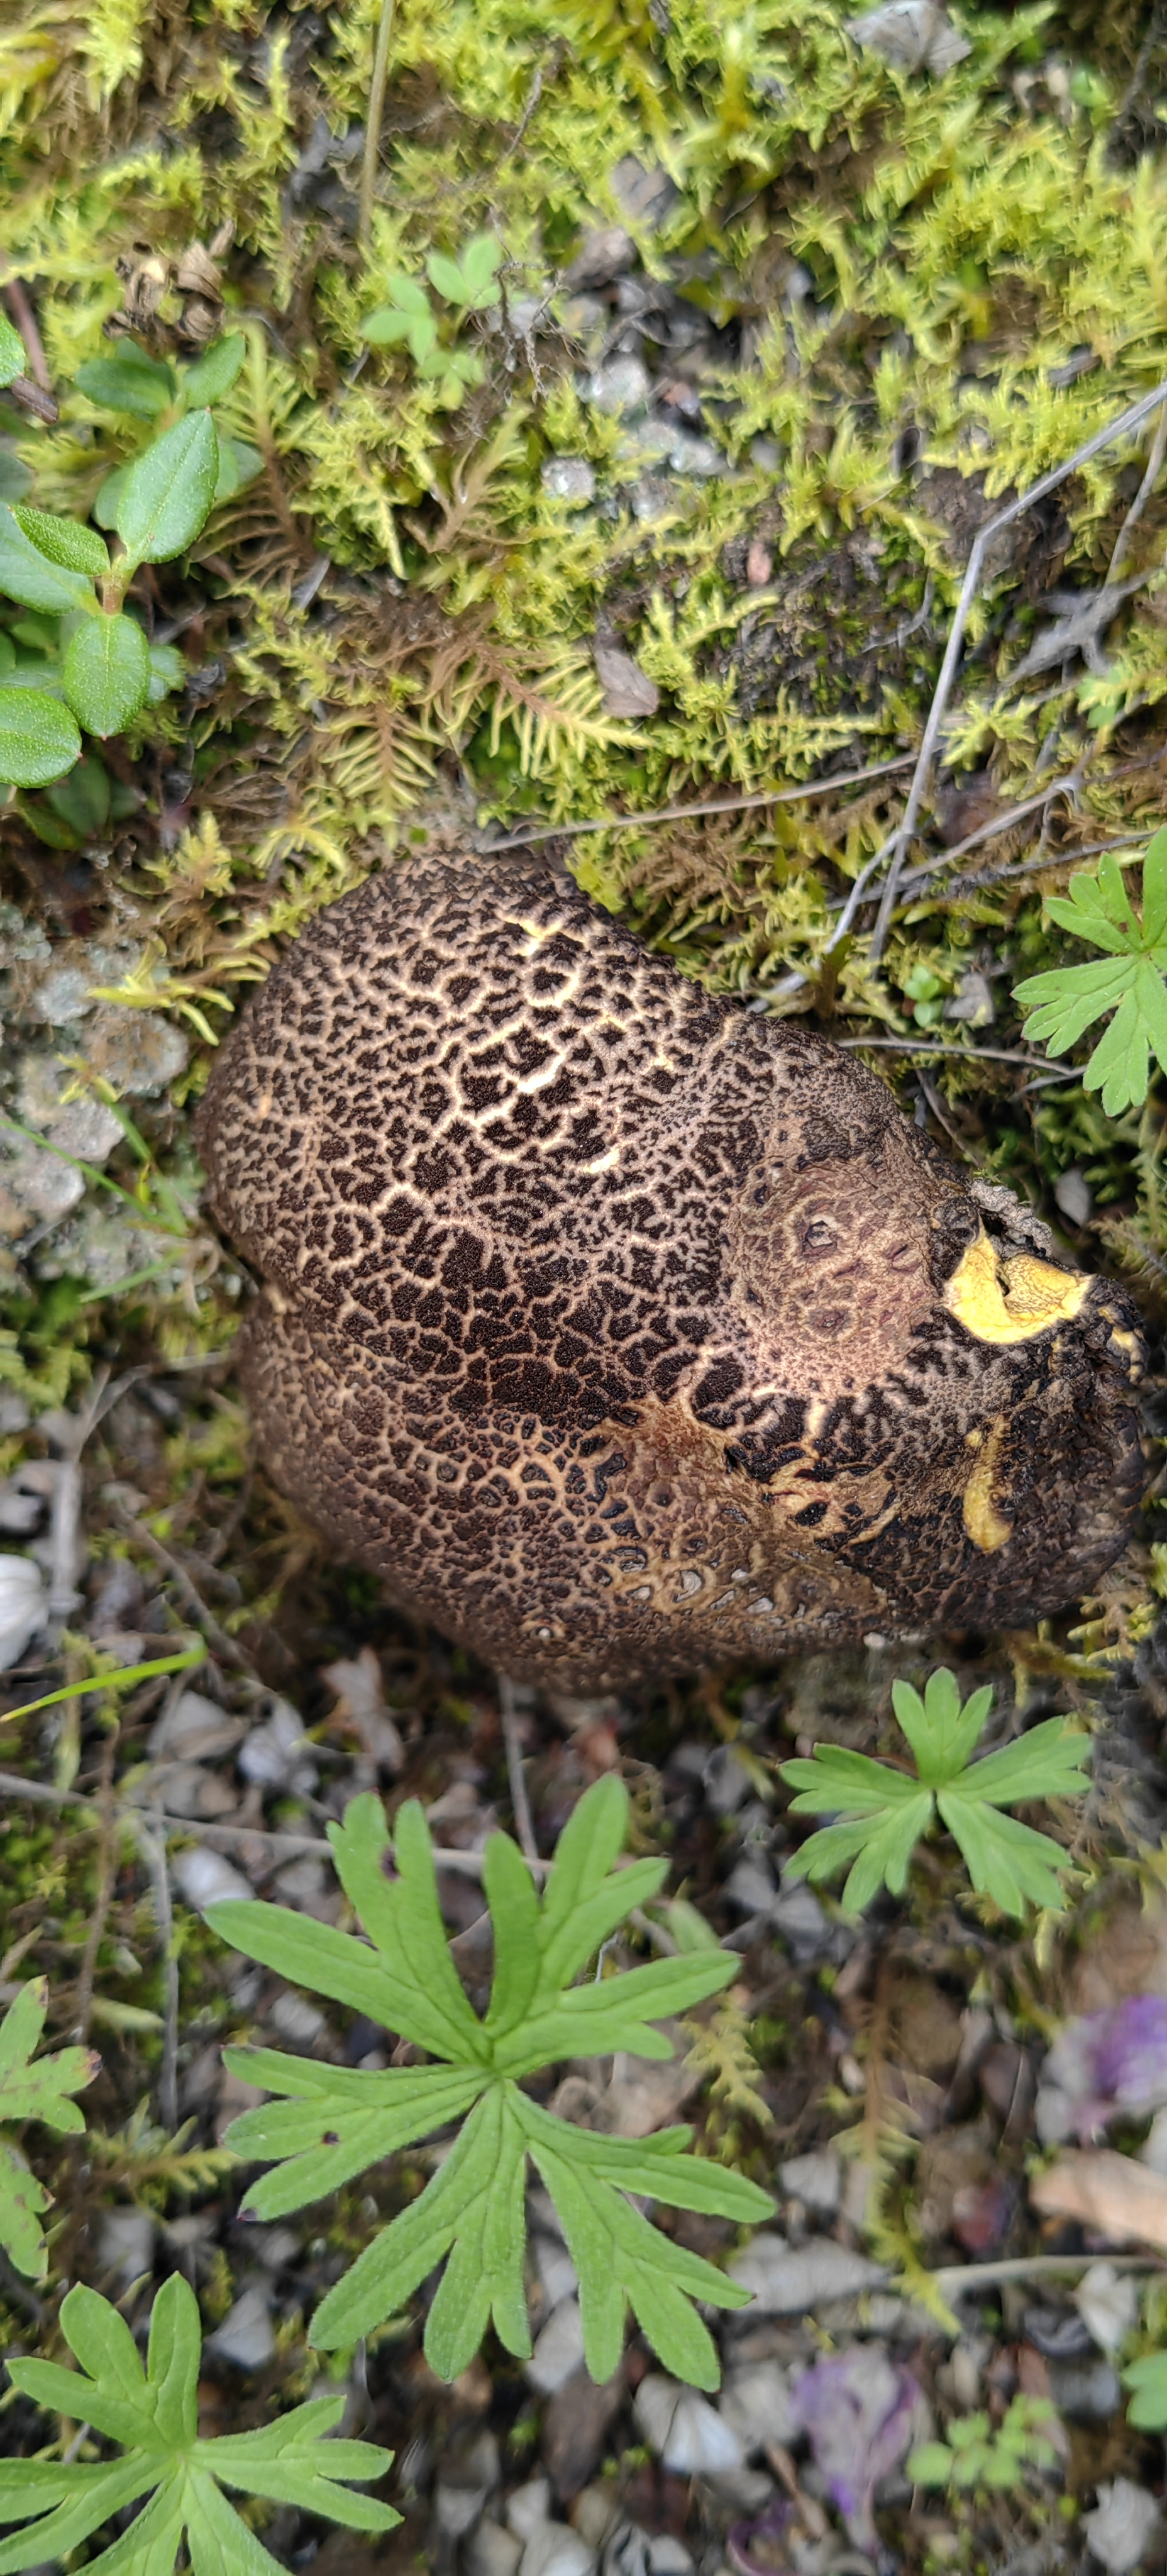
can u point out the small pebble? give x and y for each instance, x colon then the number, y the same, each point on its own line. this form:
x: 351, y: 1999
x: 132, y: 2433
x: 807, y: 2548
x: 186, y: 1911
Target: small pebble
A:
x: 296, y: 2020
x: 276, y: 1755
x: 492, y: 2551
x: 788, y: 2282
x: 23, y: 1607
x: 205, y: 1878
x: 125, y: 2244
x: 1074, y: 1196
x: 246, y: 2336
x: 558, y: 2350
x: 1124, y: 2524
x: 815, y: 2180
x: 727, y: 1781
x: 686, y: 2432
x: 194, y: 1729
x: 1087, y: 2391
x: 558, y: 2279
x: 556, y: 2550
x: 644, y: 192
x: 570, y: 479
x: 1108, y: 2304
x: 603, y: 255
x: 757, y: 2406
x: 529, y: 2506
x: 623, y: 385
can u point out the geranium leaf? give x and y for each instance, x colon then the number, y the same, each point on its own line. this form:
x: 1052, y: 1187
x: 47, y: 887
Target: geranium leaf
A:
x: 330, y: 2123
x: 153, y: 2413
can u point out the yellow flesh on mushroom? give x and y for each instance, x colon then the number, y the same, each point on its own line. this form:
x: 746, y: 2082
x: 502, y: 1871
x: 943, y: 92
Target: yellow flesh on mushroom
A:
x: 1010, y: 1301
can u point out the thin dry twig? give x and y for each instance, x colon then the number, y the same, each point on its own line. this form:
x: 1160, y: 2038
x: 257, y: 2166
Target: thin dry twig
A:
x: 373, y: 122
x: 520, y: 1803
x: 1066, y: 786
x: 943, y: 1046
x: 107, y: 1818
x: 467, y: 1864
x: 225, y: 1647
x: 900, y: 841
x: 1142, y: 496
x: 153, y: 1847
x: 26, y: 323
x: 692, y: 813
x: 955, y: 2280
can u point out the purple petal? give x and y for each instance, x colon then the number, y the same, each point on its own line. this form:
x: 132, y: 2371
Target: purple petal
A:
x: 758, y: 2548
x: 1111, y: 2061
x: 857, y: 2410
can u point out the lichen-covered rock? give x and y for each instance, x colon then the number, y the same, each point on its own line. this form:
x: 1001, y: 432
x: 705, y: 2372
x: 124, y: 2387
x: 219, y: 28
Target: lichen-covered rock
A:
x: 622, y: 1331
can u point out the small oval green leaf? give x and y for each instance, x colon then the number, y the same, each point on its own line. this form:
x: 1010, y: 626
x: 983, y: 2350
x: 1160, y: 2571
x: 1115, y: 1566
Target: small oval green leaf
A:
x: 167, y: 671
x: 38, y: 738
x: 214, y: 373
x: 107, y: 674
x: 169, y: 494
x: 27, y: 575
x: 131, y: 383
x: 64, y: 541
x: 108, y: 497
x: 13, y: 360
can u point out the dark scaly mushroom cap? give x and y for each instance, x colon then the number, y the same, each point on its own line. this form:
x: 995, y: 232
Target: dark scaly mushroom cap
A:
x: 622, y: 1331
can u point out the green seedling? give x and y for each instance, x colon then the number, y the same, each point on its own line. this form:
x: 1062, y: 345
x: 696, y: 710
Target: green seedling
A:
x: 973, y: 2455
x: 1128, y: 981
x: 1147, y: 2382
x: 39, y: 2089
x: 882, y: 1813
x: 334, y: 2123
x: 470, y: 285
x: 152, y: 2414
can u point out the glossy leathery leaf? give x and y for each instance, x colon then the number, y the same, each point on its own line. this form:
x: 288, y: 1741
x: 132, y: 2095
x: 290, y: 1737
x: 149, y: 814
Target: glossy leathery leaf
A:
x: 64, y: 541
x: 169, y: 494
x: 106, y: 672
x: 39, y: 739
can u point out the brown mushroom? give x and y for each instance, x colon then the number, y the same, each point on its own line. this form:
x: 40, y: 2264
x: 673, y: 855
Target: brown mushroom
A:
x: 622, y: 1331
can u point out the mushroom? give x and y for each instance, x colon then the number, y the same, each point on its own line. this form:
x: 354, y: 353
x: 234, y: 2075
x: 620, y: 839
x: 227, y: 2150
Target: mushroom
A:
x: 623, y: 1332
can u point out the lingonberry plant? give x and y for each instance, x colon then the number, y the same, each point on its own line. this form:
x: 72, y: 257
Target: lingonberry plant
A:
x: 96, y: 669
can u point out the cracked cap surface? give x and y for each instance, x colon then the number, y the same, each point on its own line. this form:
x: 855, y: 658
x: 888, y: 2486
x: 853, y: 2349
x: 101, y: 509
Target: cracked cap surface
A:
x: 623, y: 1332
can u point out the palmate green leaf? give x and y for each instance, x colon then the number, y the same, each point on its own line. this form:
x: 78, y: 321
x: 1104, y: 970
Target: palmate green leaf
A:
x: 1066, y: 1000
x: 33, y: 2089
x: 332, y: 2123
x: 1147, y: 2381
x: 152, y: 2411
x: 941, y: 1734
x: 882, y: 1814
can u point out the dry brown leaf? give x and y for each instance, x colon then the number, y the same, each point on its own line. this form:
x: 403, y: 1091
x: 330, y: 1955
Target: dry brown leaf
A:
x: 1123, y: 2199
